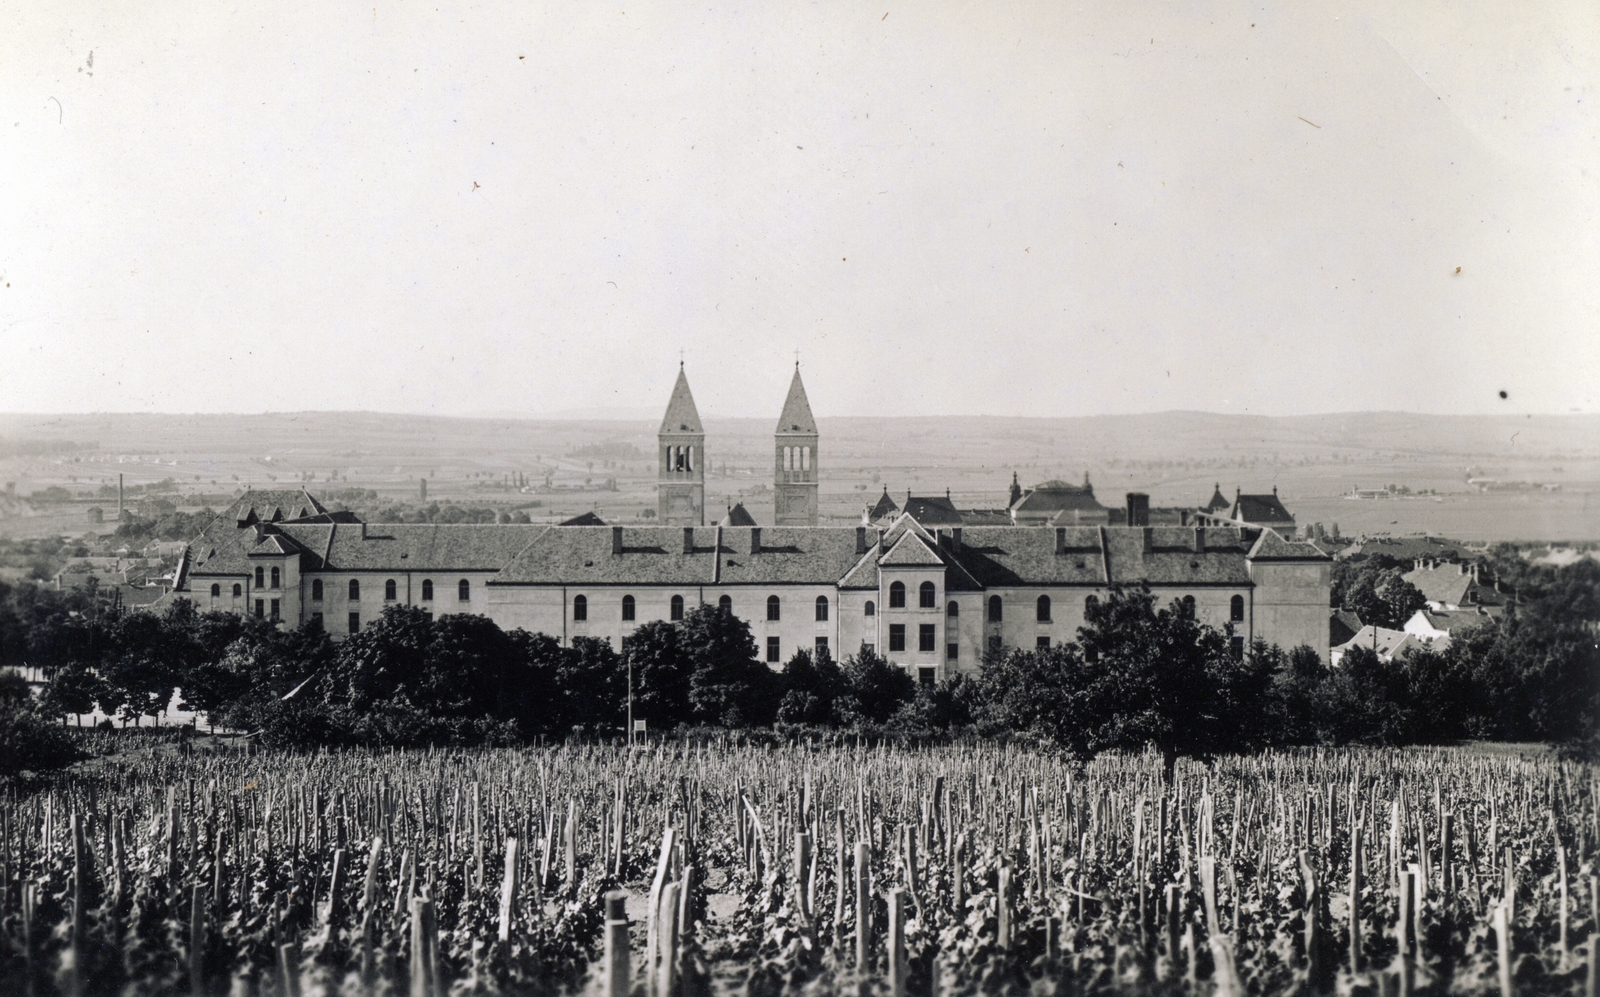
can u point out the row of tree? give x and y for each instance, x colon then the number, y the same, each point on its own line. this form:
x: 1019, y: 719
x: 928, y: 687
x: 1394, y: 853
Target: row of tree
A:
x: 1138, y: 675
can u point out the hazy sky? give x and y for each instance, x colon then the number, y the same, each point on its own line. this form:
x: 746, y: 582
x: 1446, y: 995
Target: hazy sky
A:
x: 1017, y: 209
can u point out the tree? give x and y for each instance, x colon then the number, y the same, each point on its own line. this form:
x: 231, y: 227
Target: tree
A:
x: 811, y: 687
x: 876, y: 688
x: 728, y: 687
x: 661, y: 669
x: 30, y: 742
x: 1035, y: 692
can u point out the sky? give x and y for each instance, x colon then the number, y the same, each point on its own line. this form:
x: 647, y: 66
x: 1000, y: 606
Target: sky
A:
x: 1024, y: 209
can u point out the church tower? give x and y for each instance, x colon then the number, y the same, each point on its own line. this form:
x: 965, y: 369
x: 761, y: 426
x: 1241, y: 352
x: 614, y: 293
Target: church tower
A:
x: 681, y: 468
x: 795, y: 460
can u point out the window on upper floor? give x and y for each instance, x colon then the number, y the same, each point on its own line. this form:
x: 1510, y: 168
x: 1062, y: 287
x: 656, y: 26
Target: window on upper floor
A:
x: 238, y: 590
x: 427, y: 590
x: 275, y: 611
x: 926, y: 596
x: 952, y: 652
x: 277, y: 578
x: 773, y: 607
x: 927, y: 637
x: 897, y: 595
x: 725, y: 604
x: 628, y: 608
x: 1236, y: 609
x: 897, y: 637
x: 216, y: 591
x: 996, y: 609
x: 871, y: 609
x: 580, y: 607
x: 822, y: 609
x: 821, y: 651
x: 677, y: 607
x: 952, y: 610
x: 1186, y: 607
x: 355, y: 622
x: 355, y: 590
x: 1042, y: 609
x: 261, y: 608
x: 1090, y: 602
x: 261, y: 577
x: 464, y: 590
x: 774, y: 650
x: 316, y: 590
x: 1236, y: 645
x: 389, y: 591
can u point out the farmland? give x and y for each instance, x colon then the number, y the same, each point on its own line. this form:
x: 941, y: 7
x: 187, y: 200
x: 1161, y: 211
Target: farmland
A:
x: 788, y: 867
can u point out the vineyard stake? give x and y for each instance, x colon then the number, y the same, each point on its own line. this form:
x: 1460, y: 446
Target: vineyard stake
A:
x: 335, y: 888
x: 1591, y: 984
x: 1502, y: 931
x: 289, y: 971
x: 618, y: 958
x: 508, y: 890
x: 1003, y: 907
x: 839, y: 880
x: 897, y: 942
x: 1561, y: 911
x: 667, y: 937
x: 1172, y: 916
x: 197, y: 941
x: 1402, y: 928
x: 1355, y: 899
x: 863, y: 907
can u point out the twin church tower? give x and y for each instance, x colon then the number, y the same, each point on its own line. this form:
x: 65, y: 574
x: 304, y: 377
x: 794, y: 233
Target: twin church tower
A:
x: 681, y: 469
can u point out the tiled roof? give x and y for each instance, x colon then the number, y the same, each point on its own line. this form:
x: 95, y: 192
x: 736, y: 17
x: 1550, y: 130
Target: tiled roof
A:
x: 985, y: 517
x: 1269, y: 546
x: 1218, y: 502
x: 885, y: 507
x: 1260, y: 510
x: 796, y: 416
x: 653, y: 555
x: 932, y: 510
x: 1342, y: 625
x: 423, y: 546
x: 797, y: 555
x: 1447, y: 584
x: 584, y: 519
x: 910, y: 552
x: 1015, y: 556
x: 739, y: 516
x: 682, y: 416
x: 1455, y: 621
x: 274, y: 545
x: 1410, y: 548
x: 1055, y: 496
x: 1387, y: 643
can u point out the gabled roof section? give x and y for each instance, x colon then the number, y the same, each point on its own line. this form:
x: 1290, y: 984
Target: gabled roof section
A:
x: 274, y: 545
x: 1262, y: 510
x: 738, y: 515
x: 1218, y: 502
x: 1053, y: 496
x: 932, y: 510
x: 796, y: 418
x: 1272, y: 547
x: 682, y: 416
x: 1387, y: 643
x: 584, y: 519
x: 884, y: 508
x: 910, y: 552
x: 1447, y: 584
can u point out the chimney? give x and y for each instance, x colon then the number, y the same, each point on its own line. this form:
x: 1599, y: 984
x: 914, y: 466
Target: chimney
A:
x: 363, y: 529
x: 1061, y: 540
x: 881, y: 532
x: 1138, y: 509
x: 861, y: 540
x: 755, y: 539
x: 1199, y: 539
x: 1461, y: 569
x: 955, y: 538
x: 688, y: 539
x: 1183, y: 517
x: 616, y: 540
x: 1148, y: 535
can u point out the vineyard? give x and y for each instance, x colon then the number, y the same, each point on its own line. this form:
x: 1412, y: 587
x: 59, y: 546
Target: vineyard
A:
x: 684, y: 869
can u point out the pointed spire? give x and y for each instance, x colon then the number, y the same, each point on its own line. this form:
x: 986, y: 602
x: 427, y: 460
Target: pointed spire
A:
x: 682, y: 416
x: 796, y: 417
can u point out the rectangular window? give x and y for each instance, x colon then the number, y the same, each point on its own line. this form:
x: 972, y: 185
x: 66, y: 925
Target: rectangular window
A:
x: 1238, y: 648
x: 897, y: 637
x: 355, y: 622
x: 822, y: 647
x: 275, y: 613
x: 927, y: 639
x: 261, y: 578
x: 927, y: 676
x: 774, y: 654
x: 261, y: 609
x: 1042, y: 643
x: 952, y: 652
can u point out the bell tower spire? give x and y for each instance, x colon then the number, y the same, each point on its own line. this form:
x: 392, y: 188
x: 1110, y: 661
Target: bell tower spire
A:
x: 795, y: 463
x: 681, y: 460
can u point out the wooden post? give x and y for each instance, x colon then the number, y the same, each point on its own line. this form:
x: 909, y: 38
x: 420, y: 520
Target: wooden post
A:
x: 897, y: 942
x: 840, y: 880
x: 863, y: 907
x: 1591, y: 986
x: 289, y: 971
x: 618, y: 958
x: 958, y: 877
x: 667, y: 938
x: 424, y: 968
x: 1402, y: 930
x: 1003, y: 908
x: 1315, y: 966
x: 1502, y: 932
x: 802, y: 866
x: 1561, y: 912
x: 197, y: 940
x: 1355, y: 899
x: 335, y: 886
x: 75, y: 942
x: 508, y: 890
x: 1172, y: 917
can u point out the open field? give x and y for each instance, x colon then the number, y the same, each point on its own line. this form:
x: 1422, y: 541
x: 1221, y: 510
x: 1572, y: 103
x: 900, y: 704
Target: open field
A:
x: 793, y: 868
x: 608, y: 466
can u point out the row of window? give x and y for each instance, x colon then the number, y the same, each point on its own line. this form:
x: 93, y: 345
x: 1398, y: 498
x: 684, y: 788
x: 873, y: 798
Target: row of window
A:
x: 775, y: 649
x: 630, y: 607
x: 390, y: 590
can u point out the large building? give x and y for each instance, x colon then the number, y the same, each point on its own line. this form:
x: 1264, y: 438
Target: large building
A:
x: 931, y: 600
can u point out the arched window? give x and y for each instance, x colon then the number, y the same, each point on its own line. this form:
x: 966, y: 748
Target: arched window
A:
x: 389, y: 590
x: 805, y: 458
x: 1187, y: 607
x: 953, y: 610
x: 871, y: 610
x: 627, y: 607
x: 897, y: 596
x: 355, y: 590
x: 238, y: 590
x: 1091, y: 602
x: 277, y: 578
x: 772, y: 607
x: 580, y: 608
x: 677, y: 607
x: 994, y: 609
x: 464, y: 590
x: 822, y: 609
x: 926, y: 595
x: 261, y: 577
x: 725, y: 604
x: 216, y: 590
x: 1236, y: 609
x: 1042, y: 609
x: 316, y: 590
x: 427, y: 590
